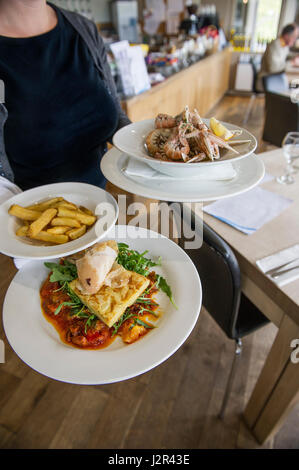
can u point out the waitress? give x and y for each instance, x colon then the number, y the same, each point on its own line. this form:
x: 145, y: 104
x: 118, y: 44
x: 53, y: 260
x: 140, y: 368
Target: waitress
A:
x: 61, y: 105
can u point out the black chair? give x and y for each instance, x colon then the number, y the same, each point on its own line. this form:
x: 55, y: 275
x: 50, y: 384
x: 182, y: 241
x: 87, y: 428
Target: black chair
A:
x: 276, y: 82
x: 281, y: 117
x: 220, y: 277
x: 255, y: 69
x: 255, y: 92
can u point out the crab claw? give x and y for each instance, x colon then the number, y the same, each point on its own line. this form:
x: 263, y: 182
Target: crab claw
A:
x: 205, y: 144
x: 221, y: 142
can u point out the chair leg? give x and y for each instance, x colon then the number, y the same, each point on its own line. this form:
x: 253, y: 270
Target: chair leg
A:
x: 249, y: 109
x: 238, y: 351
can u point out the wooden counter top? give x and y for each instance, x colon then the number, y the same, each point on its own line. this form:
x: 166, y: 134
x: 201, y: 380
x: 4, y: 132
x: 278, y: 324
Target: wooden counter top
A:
x: 199, y: 86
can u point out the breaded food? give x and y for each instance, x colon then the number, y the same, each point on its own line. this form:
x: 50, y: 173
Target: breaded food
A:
x: 109, y: 303
x: 94, y: 266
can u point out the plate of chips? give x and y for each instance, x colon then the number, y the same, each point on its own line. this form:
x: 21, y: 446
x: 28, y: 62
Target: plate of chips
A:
x: 55, y: 220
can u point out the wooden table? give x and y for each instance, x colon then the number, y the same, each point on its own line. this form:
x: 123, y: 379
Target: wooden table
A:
x: 277, y: 388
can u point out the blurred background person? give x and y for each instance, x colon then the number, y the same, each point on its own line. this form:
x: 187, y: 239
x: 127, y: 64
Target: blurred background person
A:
x: 275, y: 56
x: 190, y: 25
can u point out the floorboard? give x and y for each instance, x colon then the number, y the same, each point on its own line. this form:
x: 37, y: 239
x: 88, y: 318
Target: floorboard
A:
x: 175, y: 405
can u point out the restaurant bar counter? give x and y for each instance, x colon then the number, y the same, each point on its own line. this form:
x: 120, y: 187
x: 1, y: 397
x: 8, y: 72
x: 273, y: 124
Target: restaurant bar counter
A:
x: 201, y: 85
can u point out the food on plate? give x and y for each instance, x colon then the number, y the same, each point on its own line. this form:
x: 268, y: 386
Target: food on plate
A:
x: 22, y: 231
x: 103, y: 292
x: 95, y: 265
x: 156, y: 140
x: 109, y: 303
x: 68, y: 221
x: 54, y: 221
x: 51, y: 238
x: 24, y: 213
x: 76, y: 232
x: 59, y: 230
x: 220, y: 130
x: 186, y: 138
x: 40, y: 223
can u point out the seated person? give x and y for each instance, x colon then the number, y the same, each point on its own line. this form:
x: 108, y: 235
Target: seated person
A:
x: 275, y: 56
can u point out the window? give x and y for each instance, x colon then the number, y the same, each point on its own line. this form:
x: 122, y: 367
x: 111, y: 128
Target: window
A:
x: 267, y: 19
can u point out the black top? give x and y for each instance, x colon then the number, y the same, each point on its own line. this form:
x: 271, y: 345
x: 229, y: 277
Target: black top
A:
x: 60, y: 113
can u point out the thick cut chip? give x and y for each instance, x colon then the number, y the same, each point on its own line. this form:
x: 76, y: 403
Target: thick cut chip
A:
x: 59, y: 230
x: 22, y: 213
x: 40, y: 223
x: 51, y: 237
x: 76, y: 232
x: 109, y: 304
x: 22, y: 231
x: 42, y: 206
x: 83, y: 218
x: 65, y: 221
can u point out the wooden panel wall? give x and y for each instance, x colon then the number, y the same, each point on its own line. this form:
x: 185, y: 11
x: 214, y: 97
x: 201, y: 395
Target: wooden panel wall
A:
x: 200, y: 86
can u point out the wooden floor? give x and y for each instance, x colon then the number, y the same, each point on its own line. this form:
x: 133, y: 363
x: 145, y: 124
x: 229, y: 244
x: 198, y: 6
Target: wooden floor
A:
x: 173, y: 406
x: 245, y: 112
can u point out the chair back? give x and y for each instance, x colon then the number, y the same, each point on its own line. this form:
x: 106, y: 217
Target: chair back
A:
x: 276, y: 82
x: 220, y: 277
x: 281, y: 117
x: 255, y: 70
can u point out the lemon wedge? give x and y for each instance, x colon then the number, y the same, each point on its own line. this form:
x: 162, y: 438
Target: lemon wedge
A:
x: 220, y: 130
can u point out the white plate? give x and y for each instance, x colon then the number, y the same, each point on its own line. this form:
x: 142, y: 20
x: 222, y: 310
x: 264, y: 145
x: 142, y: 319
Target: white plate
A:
x: 131, y: 140
x: 250, y: 172
x: 92, y: 197
x: 38, y: 344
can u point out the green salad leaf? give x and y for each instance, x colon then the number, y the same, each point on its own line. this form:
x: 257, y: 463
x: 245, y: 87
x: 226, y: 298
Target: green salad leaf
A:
x: 65, y: 272
x: 162, y: 284
x: 70, y: 304
x: 142, y: 323
x: 134, y: 261
x: 131, y: 260
x: 125, y: 316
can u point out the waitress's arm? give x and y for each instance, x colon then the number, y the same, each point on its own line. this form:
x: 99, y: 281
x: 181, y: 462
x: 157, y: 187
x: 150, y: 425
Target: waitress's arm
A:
x: 123, y: 118
x: 90, y: 34
x: 5, y: 168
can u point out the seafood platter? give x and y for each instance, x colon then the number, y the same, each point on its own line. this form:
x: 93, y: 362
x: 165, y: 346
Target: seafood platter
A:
x: 184, y: 145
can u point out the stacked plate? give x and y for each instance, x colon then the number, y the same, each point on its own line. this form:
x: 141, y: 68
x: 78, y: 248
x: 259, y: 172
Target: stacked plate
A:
x: 130, y: 167
x: 36, y: 341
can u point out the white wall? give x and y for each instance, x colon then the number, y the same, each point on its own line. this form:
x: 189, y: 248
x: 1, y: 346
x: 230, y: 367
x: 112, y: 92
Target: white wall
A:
x: 288, y: 13
x: 101, y: 11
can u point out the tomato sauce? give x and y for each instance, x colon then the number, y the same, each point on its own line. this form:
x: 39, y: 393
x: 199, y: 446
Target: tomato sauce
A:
x: 74, y: 331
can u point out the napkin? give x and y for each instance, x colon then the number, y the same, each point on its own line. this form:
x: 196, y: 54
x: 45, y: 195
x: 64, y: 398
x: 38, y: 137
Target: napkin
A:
x: 267, y: 177
x: 279, y: 258
x: 7, y: 189
x: 219, y: 172
x: 249, y: 211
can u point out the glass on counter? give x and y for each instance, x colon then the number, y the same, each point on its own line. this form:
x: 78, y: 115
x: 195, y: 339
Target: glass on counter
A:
x: 174, y: 56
